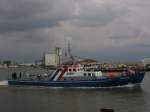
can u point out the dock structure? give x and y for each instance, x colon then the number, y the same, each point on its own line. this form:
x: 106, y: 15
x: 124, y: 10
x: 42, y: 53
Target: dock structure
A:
x: 106, y: 110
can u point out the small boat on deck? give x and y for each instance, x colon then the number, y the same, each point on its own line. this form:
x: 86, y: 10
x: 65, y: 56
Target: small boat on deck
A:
x: 77, y: 75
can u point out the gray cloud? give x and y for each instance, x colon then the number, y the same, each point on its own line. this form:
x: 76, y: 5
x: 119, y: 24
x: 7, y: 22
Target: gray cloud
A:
x: 97, y: 28
x: 22, y: 15
x: 92, y: 14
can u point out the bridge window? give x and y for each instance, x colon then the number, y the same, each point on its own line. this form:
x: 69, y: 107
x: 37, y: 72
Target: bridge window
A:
x: 84, y: 74
x: 70, y: 73
x: 89, y: 74
x: 93, y: 74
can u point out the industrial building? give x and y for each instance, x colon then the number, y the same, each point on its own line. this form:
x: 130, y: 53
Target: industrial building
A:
x: 49, y: 60
x: 146, y: 61
x: 53, y: 59
x: 56, y: 58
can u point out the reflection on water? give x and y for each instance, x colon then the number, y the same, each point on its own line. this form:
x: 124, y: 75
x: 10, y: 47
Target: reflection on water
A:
x: 44, y: 99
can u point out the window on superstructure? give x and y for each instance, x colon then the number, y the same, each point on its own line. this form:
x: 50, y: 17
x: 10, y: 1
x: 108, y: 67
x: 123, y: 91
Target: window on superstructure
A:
x: 89, y: 74
x: 84, y: 74
x: 88, y: 70
x: 93, y: 74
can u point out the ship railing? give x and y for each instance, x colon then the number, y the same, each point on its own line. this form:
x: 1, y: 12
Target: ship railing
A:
x: 27, y: 76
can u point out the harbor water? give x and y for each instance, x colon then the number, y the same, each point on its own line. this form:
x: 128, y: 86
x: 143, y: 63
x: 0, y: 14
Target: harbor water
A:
x: 44, y: 99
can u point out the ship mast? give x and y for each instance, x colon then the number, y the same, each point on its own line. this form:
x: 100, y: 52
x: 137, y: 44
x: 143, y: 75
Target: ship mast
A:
x: 70, y: 53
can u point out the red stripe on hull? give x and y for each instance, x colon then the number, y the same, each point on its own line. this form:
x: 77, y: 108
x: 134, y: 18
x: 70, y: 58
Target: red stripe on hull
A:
x: 61, y: 75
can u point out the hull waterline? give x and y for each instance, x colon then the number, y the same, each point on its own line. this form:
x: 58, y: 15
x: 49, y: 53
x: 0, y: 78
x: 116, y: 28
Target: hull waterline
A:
x: 103, y: 82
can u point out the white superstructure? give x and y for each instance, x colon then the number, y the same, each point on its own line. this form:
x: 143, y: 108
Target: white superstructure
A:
x: 76, y: 72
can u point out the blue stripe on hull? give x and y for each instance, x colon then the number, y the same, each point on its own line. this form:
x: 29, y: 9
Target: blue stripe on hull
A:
x: 105, y: 82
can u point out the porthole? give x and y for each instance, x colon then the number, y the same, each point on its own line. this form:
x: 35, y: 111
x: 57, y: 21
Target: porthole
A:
x: 70, y: 70
x: 74, y: 70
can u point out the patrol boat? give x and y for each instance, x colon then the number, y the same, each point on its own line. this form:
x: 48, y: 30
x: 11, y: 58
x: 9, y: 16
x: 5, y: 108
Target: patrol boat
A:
x: 77, y: 75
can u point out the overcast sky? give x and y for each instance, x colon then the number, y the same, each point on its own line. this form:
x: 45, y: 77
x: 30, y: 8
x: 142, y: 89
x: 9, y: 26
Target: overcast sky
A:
x: 99, y: 29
